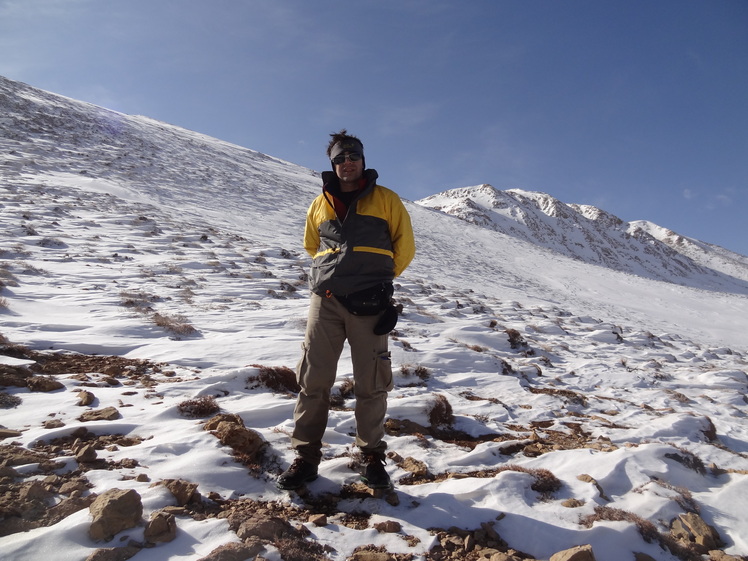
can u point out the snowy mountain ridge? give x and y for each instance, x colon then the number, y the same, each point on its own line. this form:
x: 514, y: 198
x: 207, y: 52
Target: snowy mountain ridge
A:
x: 594, y: 236
x: 108, y: 143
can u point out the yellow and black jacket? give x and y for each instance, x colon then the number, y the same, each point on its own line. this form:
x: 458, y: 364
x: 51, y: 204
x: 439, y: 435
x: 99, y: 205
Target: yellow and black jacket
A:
x: 371, y: 244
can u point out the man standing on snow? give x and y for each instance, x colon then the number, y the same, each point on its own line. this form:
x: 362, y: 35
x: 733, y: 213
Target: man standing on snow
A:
x: 360, y: 238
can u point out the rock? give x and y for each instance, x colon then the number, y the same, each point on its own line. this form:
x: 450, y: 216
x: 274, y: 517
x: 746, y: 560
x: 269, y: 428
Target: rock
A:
x: 416, y: 467
x: 388, y: 527
x: 235, y: 551
x: 691, y: 528
x: 74, y: 487
x: 183, y: 491
x: 9, y: 433
x: 241, y: 439
x: 590, y: 479
x: 106, y: 414
x: 113, y: 511
x: 372, y: 556
x: 269, y: 528
x: 114, y: 553
x: 231, y: 431
x: 501, y: 556
x: 7, y: 474
x: 318, y: 519
x: 162, y: 527
x: 86, y: 454
x: 34, y: 491
x: 719, y: 555
x: 643, y: 557
x: 579, y: 553
x: 85, y: 398
x: 572, y: 503
x: 43, y: 384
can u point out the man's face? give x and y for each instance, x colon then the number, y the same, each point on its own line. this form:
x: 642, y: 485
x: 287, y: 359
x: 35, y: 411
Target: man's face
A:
x: 349, y: 171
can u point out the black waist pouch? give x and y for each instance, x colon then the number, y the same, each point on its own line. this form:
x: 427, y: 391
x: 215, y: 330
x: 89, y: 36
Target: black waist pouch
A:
x: 370, y: 301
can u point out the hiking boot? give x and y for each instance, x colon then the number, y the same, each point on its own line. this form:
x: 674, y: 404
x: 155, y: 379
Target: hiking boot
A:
x: 375, y: 475
x: 299, y: 473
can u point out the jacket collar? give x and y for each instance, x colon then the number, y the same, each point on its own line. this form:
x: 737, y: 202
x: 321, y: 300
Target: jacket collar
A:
x: 331, y: 183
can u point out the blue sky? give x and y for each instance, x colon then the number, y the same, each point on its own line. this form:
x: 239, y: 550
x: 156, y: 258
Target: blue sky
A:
x: 639, y: 107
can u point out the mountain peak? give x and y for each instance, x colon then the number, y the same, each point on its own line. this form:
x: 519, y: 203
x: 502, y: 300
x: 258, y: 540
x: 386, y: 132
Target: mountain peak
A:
x: 590, y: 234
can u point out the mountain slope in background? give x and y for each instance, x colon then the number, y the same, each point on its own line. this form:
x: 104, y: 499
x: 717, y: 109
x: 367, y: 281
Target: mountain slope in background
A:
x: 542, y: 399
x: 594, y: 236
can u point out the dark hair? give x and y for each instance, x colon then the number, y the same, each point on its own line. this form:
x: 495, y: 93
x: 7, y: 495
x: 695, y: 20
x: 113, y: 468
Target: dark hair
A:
x: 336, y: 137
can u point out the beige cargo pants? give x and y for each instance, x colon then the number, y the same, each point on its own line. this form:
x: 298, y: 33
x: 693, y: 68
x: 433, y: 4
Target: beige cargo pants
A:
x: 328, y: 326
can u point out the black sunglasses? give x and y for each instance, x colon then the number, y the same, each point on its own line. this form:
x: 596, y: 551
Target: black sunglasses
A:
x: 352, y: 156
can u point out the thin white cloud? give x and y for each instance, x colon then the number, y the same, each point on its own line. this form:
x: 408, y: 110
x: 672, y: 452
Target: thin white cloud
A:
x: 405, y: 118
x: 689, y: 194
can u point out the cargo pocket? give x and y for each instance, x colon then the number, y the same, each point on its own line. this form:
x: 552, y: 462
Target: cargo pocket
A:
x: 302, y: 365
x: 384, y: 371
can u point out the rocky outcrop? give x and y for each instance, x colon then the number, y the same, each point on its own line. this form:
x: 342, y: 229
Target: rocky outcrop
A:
x: 230, y: 430
x: 113, y: 511
x: 691, y: 529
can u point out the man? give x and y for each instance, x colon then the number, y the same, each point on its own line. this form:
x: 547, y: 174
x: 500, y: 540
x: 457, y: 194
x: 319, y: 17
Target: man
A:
x: 360, y: 238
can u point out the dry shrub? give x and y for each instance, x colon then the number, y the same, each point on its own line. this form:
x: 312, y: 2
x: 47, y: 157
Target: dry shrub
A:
x: 345, y: 391
x: 346, y: 388
x: 545, y: 482
x: 9, y: 401
x: 138, y: 301
x: 177, y: 324
x: 201, y: 407
x: 276, y: 378
x: 688, y: 459
x: 441, y: 413
x: 7, y: 278
x: 419, y: 371
x: 516, y: 341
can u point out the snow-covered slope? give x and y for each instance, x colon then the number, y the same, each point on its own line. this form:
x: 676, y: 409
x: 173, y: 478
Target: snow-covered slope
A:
x: 586, y: 402
x: 594, y: 236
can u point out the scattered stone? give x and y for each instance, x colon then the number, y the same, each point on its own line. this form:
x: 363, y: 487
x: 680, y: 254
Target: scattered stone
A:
x: 579, y: 553
x: 73, y: 488
x: 372, y: 556
x: 86, y: 454
x: 162, y: 527
x: 7, y: 474
x: 230, y: 430
x: 502, y: 556
x: 269, y: 528
x: 113, y: 511
x: 114, y: 553
x: 9, y: 433
x: 183, y: 491
x: 589, y: 479
x: 235, y: 551
x: 719, y: 555
x: 53, y: 424
x: 416, y: 467
x: 106, y: 414
x: 43, y: 384
x: 85, y: 398
x: 691, y: 528
x: 388, y: 527
x: 572, y: 503
x: 318, y: 519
